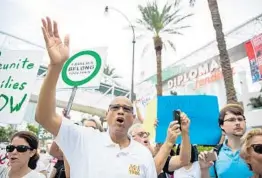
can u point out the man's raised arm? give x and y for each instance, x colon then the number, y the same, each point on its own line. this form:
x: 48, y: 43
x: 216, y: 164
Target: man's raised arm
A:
x: 58, y: 54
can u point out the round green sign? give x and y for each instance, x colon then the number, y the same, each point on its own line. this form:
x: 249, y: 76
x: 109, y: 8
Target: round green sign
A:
x: 70, y: 82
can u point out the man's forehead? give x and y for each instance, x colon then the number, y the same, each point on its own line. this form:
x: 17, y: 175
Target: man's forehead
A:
x: 230, y: 114
x: 140, y: 129
x: 121, y: 100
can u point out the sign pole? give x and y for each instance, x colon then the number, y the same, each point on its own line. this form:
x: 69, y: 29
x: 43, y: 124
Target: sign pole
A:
x: 71, y: 100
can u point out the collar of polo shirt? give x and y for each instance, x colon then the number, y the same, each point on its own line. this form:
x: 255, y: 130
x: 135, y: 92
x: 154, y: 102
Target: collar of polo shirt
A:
x: 109, y: 143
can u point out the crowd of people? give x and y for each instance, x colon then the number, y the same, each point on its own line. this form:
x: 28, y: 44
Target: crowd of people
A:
x: 124, y: 150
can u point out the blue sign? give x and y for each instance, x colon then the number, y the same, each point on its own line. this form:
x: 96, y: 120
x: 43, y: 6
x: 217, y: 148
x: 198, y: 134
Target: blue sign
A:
x: 203, y: 112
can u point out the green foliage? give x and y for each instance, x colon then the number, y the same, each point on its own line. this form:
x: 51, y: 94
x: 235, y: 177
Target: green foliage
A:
x: 32, y: 128
x: 6, y: 133
x: 255, y: 102
x: 166, y: 21
x: 202, y: 148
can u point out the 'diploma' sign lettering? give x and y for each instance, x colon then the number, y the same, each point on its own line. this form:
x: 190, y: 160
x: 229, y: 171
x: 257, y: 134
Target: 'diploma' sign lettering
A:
x: 18, y: 72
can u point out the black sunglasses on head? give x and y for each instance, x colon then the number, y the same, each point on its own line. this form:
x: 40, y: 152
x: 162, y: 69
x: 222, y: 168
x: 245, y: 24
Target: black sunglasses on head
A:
x: 257, y: 148
x: 19, y: 148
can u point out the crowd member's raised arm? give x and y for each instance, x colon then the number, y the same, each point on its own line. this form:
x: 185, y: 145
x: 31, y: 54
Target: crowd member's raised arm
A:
x: 183, y: 159
x: 58, y: 53
x: 163, y: 153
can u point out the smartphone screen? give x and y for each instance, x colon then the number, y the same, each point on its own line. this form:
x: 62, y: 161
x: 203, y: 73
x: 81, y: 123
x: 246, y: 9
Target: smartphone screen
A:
x: 176, y: 117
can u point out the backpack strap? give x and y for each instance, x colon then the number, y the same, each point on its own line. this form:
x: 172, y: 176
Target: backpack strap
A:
x: 217, y: 149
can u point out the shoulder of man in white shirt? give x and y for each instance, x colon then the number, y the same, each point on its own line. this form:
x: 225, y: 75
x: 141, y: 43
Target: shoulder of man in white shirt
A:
x: 140, y: 148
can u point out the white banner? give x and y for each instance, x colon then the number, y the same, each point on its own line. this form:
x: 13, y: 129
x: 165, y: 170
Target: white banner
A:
x: 18, y: 72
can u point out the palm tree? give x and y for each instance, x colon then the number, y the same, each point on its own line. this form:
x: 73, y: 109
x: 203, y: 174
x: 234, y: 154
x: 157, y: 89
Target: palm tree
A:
x: 110, y: 76
x: 222, y: 47
x: 110, y: 72
x: 165, y: 21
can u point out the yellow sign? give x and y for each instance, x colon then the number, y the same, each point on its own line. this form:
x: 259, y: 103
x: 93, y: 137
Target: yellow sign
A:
x: 150, y: 117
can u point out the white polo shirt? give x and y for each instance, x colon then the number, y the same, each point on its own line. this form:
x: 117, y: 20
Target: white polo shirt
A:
x: 92, y: 154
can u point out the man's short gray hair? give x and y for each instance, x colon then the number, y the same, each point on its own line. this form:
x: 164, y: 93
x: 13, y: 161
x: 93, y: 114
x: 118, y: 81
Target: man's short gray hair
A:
x: 133, y: 127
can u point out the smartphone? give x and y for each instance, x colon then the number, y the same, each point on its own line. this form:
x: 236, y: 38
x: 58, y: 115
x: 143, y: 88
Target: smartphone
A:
x: 176, y: 117
x: 211, y: 156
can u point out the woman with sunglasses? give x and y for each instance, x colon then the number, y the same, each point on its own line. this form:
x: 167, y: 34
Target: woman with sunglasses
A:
x: 23, y: 157
x: 251, y: 151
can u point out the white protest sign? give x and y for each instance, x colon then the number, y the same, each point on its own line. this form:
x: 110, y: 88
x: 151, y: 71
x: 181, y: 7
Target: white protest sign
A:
x: 18, y: 72
x: 84, y: 69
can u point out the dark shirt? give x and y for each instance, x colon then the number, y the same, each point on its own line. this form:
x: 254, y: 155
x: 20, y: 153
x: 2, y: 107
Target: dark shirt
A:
x: 60, y: 169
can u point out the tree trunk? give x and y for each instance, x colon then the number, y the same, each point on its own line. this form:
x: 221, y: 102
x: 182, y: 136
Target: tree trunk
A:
x: 224, y: 58
x: 158, y: 48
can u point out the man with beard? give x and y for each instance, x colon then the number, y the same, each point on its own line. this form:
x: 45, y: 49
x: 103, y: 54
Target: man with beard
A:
x: 229, y: 163
x: 89, y: 152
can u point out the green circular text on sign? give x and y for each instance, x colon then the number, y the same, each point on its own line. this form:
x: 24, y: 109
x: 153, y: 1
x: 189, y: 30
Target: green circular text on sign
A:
x: 73, y: 83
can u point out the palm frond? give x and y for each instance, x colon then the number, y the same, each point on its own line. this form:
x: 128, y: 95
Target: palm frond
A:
x: 171, y: 17
x: 145, y: 24
x: 111, y: 71
x: 172, y: 31
x: 180, y: 19
x: 167, y: 19
x: 145, y: 49
x: 172, y: 45
x: 177, y: 3
x: 164, y: 46
x: 151, y: 17
x: 116, y: 76
x: 192, y: 3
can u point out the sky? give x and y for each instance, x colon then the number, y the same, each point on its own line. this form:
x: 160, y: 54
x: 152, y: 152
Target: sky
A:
x: 90, y: 27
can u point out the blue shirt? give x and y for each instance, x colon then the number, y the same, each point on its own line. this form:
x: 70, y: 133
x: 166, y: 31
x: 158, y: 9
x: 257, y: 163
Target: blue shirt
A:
x: 230, y: 164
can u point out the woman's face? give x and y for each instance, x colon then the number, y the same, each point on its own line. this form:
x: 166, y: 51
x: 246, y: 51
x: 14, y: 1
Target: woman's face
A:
x: 19, y: 153
x: 255, y: 158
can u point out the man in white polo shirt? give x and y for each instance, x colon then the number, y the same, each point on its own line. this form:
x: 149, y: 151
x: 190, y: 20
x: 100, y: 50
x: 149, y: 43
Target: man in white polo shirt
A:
x: 91, y: 154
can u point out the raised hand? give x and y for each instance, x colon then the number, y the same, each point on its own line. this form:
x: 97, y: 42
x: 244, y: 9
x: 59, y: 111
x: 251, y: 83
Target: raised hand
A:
x: 173, y: 132
x: 203, y: 161
x: 185, y: 122
x: 58, y: 51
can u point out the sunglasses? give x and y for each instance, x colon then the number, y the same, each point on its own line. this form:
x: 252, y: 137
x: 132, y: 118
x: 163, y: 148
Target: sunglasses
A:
x: 19, y: 148
x: 257, y: 148
x: 116, y: 107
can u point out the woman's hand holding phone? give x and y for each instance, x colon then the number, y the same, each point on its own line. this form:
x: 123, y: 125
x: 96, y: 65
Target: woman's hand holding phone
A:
x: 182, y: 120
x: 173, y: 132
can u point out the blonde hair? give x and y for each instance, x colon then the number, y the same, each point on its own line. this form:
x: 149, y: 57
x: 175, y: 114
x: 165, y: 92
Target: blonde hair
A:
x: 133, y: 127
x: 246, y: 141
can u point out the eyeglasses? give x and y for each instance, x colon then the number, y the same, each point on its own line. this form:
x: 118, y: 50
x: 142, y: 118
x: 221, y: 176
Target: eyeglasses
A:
x: 257, y: 148
x: 142, y: 134
x: 19, y: 148
x: 116, y: 107
x: 239, y: 119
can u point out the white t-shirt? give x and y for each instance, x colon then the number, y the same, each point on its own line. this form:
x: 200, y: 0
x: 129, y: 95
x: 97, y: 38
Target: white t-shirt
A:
x: 4, y: 171
x: 91, y: 153
x: 193, y: 172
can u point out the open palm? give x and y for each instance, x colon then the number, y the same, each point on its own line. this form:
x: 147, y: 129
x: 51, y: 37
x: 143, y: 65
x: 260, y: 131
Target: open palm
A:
x: 58, y: 51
